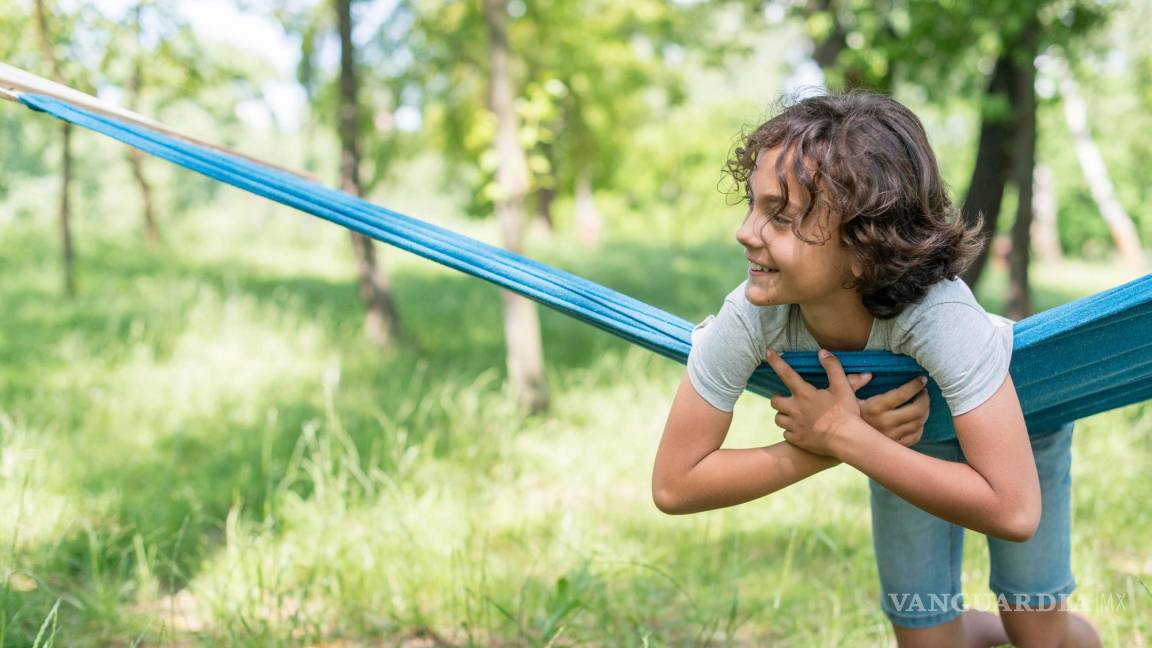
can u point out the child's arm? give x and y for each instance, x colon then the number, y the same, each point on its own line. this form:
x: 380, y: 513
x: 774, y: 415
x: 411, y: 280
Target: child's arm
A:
x: 693, y: 473
x: 997, y: 492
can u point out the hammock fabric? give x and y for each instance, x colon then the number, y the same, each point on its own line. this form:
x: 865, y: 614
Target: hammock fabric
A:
x: 1081, y: 358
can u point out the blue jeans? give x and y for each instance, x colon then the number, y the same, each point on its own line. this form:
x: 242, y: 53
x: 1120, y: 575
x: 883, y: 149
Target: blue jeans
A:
x: 918, y: 555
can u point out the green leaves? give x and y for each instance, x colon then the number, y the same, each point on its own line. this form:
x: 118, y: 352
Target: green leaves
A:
x: 586, y: 74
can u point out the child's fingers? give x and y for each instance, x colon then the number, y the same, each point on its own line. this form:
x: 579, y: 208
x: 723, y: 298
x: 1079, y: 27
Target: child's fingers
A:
x: 858, y: 380
x: 921, y: 406
x: 896, y: 397
x: 791, y: 379
x: 836, y: 377
x: 783, y: 421
x: 912, y: 436
x: 915, y: 411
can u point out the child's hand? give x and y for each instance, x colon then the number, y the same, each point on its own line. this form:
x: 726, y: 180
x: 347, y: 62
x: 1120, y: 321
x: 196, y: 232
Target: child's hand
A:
x: 814, y: 419
x: 888, y: 413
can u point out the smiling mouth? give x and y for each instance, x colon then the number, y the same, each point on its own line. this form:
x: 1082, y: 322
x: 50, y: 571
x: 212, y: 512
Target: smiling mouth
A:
x: 762, y: 269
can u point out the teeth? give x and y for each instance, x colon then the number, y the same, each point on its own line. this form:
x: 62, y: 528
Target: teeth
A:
x: 762, y: 268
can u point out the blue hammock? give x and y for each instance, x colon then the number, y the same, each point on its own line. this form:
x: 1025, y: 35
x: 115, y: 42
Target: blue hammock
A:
x: 1082, y: 358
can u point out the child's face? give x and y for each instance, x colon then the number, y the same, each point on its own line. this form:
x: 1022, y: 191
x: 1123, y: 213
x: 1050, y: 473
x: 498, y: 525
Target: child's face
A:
x: 804, y: 272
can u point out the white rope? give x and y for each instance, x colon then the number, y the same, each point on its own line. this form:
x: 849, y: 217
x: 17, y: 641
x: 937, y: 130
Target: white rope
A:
x: 14, y: 82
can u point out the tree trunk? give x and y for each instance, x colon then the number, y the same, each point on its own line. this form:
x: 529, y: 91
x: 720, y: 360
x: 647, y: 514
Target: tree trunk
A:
x: 525, y: 353
x: 1019, y: 301
x: 1096, y: 172
x: 546, y: 193
x: 64, y: 215
x: 1045, y: 230
x: 993, y: 159
x: 589, y: 222
x: 151, y: 231
x: 380, y: 319
x: 67, y: 253
x: 545, y: 196
x: 135, y: 156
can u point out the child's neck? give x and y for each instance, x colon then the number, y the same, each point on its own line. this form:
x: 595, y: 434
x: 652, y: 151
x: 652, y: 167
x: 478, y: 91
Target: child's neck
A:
x: 841, y: 323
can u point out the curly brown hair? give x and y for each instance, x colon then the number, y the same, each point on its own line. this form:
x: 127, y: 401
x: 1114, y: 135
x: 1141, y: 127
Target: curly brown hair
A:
x: 867, y: 158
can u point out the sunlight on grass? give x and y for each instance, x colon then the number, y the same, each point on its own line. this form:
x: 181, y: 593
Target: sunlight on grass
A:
x: 34, y: 512
x: 230, y: 354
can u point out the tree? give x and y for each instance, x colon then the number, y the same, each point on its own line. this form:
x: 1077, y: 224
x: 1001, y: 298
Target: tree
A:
x: 153, y: 56
x: 606, y: 70
x: 525, y: 351
x: 381, y: 320
x: 1122, y: 228
x: 1019, y: 302
x: 1007, y: 146
x: 1045, y: 232
x: 336, y: 100
x: 64, y: 210
x: 134, y: 155
x: 552, y: 118
x: 989, y: 176
x: 596, y: 72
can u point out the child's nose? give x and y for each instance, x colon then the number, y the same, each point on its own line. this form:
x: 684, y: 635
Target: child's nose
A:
x: 748, y: 235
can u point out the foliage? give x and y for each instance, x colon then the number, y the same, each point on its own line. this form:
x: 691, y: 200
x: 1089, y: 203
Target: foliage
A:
x: 946, y: 48
x: 943, y: 53
x: 606, y: 69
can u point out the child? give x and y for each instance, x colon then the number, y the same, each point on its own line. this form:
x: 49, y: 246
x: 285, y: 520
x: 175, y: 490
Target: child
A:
x: 853, y: 244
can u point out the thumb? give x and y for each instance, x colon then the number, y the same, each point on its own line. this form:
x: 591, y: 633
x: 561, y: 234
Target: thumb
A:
x: 858, y: 380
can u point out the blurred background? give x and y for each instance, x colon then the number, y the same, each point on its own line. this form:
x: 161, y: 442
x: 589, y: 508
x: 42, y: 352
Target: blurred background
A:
x: 224, y: 422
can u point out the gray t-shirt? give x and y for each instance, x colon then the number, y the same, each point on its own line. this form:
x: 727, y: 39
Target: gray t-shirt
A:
x: 965, y: 349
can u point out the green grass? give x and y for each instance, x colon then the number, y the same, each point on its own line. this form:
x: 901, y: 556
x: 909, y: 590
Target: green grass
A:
x: 201, y: 449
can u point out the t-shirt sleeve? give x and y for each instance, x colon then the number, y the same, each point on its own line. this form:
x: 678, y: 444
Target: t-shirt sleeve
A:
x: 723, y: 356
x: 963, y: 350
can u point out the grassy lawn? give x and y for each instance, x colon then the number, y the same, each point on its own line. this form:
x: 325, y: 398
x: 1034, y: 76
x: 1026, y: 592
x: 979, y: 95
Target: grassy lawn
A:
x: 201, y: 449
